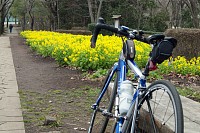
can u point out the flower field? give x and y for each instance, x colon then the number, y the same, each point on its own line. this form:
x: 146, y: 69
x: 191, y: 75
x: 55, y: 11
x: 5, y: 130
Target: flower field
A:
x: 74, y: 50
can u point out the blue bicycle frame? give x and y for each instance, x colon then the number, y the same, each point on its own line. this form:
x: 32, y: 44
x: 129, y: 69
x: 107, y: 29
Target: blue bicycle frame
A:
x: 142, y: 96
x: 121, y: 69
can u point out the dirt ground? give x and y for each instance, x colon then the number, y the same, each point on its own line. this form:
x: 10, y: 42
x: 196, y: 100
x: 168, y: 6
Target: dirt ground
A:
x: 47, y: 90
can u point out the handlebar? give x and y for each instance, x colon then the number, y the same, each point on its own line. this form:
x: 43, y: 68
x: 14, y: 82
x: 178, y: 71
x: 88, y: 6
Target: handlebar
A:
x: 123, y: 32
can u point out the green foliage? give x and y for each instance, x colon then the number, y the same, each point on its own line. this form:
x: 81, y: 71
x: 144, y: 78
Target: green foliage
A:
x: 141, y: 14
x: 18, y: 8
x: 99, y: 73
x: 91, y: 27
x: 159, y: 21
x: 186, y: 19
x: 155, y: 75
x: 156, y: 22
x: 189, y: 92
x: 38, y: 105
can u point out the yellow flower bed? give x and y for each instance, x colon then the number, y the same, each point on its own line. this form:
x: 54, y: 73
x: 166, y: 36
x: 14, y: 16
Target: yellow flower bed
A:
x: 181, y: 66
x: 74, y: 50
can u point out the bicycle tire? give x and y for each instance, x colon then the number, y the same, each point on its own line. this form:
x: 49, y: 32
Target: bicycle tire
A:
x: 160, y: 110
x: 101, y: 123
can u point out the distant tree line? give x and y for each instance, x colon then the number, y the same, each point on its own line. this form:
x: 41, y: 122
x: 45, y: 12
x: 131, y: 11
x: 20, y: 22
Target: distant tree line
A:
x: 151, y: 15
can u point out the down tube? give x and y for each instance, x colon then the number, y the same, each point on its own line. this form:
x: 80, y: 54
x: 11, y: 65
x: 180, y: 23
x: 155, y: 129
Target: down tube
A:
x: 122, y: 72
x: 114, y: 69
x: 121, y: 77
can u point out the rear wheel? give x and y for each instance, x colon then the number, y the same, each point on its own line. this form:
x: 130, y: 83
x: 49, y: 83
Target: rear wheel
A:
x: 100, y: 122
x: 160, y: 111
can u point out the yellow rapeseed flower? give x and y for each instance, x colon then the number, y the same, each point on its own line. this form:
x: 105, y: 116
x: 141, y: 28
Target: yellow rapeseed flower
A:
x: 75, y: 50
x: 65, y: 59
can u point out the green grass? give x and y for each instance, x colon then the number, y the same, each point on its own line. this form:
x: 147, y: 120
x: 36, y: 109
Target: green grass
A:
x: 189, y: 92
x: 62, y: 104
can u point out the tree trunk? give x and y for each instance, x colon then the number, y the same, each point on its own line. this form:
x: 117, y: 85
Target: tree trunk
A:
x: 23, y: 23
x: 99, y: 9
x: 7, y: 18
x: 139, y: 14
x: 90, y: 11
x: 1, y: 28
x: 2, y: 20
x: 194, y: 11
x: 176, y: 7
x: 193, y: 6
x: 31, y: 21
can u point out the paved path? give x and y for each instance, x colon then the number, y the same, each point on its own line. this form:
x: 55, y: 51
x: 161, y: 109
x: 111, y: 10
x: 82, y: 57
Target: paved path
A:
x: 11, y: 120
x: 191, y: 111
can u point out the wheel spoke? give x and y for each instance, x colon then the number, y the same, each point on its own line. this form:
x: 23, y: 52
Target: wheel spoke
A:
x: 104, y: 117
x: 161, y: 111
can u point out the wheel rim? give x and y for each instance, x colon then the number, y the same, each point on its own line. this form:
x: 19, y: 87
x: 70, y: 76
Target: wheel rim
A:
x: 163, y: 111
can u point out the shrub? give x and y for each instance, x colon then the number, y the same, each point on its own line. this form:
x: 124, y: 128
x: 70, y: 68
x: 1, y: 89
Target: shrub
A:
x: 188, y: 42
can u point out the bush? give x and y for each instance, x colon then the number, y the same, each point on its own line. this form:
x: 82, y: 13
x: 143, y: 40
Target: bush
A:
x: 76, y: 31
x: 91, y: 27
x: 188, y: 42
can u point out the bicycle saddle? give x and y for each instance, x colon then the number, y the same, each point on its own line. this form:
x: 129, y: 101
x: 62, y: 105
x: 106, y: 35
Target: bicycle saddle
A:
x: 155, y: 37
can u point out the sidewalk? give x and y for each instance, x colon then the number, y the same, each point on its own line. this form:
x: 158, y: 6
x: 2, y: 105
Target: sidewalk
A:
x: 11, y: 120
x: 191, y: 111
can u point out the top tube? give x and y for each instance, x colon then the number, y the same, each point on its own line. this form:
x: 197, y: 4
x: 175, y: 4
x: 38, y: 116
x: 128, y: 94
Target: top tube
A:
x: 135, y: 69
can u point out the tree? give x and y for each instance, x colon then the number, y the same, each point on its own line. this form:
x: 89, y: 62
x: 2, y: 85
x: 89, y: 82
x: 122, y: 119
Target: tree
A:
x: 193, y: 6
x: 147, y: 7
x: 31, y: 13
x: 186, y: 18
x: 94, y: 7
x: 4, y: 8
x: 19, y: 10
x: 137, y: 14
x: 52, y: 6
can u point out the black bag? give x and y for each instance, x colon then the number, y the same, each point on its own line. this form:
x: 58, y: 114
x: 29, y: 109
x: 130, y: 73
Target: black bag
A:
x: 163, y: 50
x: 129, y: 49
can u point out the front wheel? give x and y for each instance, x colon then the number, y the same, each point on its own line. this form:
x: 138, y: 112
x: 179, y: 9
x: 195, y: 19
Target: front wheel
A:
x: 102, y: 122
x: 160, y: 110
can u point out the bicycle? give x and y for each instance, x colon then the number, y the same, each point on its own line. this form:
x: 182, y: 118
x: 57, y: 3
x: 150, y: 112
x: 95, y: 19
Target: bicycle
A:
x: 155, y: 108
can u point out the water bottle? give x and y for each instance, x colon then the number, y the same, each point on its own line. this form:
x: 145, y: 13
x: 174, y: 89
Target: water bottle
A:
x: 125, y: 96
